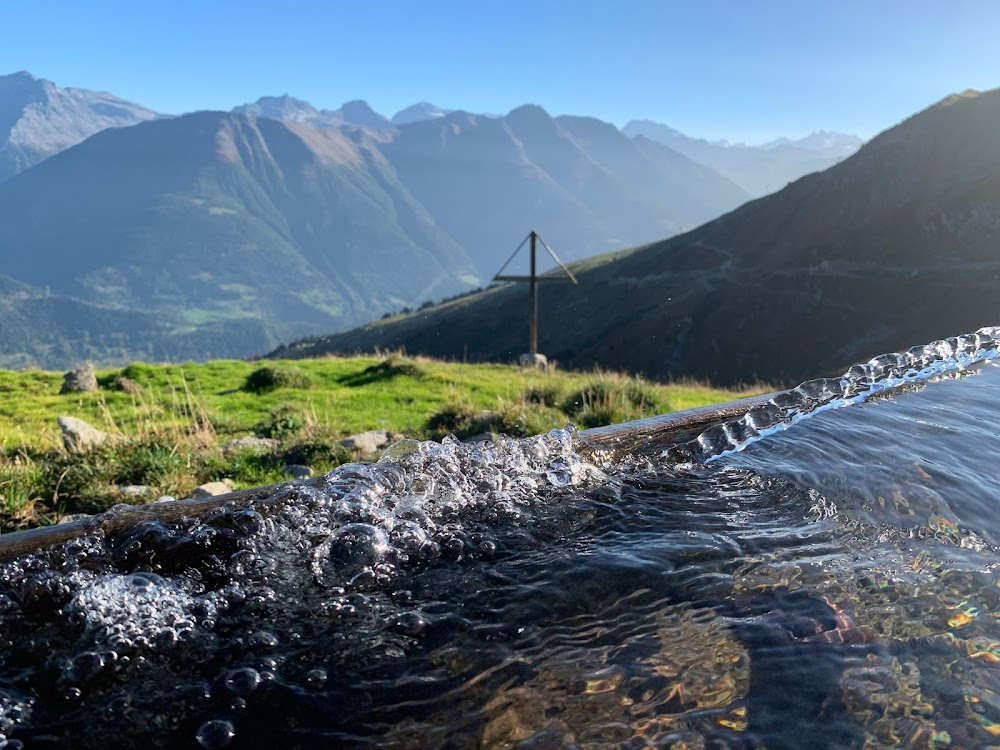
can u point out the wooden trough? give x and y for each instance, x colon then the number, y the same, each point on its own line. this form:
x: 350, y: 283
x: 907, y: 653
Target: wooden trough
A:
x: 648, y: 436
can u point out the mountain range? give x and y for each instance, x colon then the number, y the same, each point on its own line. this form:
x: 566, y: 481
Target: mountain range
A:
x: 279, y: 220
x: 757, y: 169
x: 894, y: 246
x: 214, y: 217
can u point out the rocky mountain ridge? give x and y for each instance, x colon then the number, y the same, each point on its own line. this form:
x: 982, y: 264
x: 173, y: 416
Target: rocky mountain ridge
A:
x: 39, y: 119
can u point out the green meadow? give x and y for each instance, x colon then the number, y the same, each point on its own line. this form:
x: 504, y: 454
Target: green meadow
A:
x: 169, y: 422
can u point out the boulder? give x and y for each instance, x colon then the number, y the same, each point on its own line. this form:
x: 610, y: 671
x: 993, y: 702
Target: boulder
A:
x: 126, y: 385
x: 80, y: 380
x: 79, y: 436
x: 368, y: 443
x: 538, y: 361
x: 251, y: 443
x: 135, y: 490
x: 482, y: 437
x: 210, y: 489
x: 298, y: 471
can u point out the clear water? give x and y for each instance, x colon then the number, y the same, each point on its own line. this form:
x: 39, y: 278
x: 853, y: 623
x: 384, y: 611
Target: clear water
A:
x: 831, y: 585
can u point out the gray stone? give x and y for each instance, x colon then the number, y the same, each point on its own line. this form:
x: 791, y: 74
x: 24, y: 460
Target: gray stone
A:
x: 368, y: 443
x: 298, y: 471
x: 251, y: 443
x: 211, y: 489
x: 79, y: 436
x: 482, y: 437
x: 538, y: 361
x: 80, y: 380
x: 165, y: 499
x: 135, y: 490
x: 126, y: 385
x: 71, y: 517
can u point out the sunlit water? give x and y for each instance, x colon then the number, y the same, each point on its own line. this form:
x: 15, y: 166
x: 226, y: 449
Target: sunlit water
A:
x: 834, y: 584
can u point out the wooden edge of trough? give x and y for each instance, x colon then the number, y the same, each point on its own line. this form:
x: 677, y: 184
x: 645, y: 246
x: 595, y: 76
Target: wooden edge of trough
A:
x: 652, y: 434
x: 659, y: 433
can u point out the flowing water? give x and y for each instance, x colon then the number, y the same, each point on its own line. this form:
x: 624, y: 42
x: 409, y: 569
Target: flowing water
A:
x: 835, y: 584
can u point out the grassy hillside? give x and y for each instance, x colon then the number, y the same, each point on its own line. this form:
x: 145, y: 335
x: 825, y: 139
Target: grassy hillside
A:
x: 170, y: 421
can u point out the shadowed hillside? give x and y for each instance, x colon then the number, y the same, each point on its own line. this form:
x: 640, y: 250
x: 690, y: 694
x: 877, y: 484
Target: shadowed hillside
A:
x: 894, y: 246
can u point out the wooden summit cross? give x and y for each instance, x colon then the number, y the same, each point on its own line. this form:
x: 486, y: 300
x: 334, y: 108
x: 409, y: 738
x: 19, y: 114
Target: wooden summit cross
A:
x: 534, y: 278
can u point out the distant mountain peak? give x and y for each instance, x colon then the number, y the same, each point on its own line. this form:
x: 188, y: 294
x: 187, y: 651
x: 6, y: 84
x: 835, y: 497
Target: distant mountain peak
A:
x: 286, y: 99
x: 360, y: 112
x: 284, y: 107
x: 39, y: 119
x: 20, y: 75
x: 419, y: 112
x: 820, y: 140
x: 529, y: 110
x: 758, y: 169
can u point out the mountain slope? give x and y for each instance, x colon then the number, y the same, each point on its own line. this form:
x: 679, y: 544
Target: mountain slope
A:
x: 215, y: 217
x: 895, y: 246
x: 42, y: 329
x: 39, y: 119
x: 656, y: 175
x: 757, y: 169
x: 488, y: 180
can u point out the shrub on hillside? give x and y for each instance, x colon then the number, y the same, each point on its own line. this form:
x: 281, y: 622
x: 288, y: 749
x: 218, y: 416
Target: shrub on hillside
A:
x: 612, y: 399
x: 281, y: 424
x: 272, y: 377
x: 140, y: 372
x: 86, y: 482
x: 543, y: 395
x: 317, y: 446
x: 513, y: 420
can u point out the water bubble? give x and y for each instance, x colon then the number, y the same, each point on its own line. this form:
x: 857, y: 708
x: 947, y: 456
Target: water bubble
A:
x: 268, y: 664
x: 268, y: 677
x: 348, y: 551
x: 215, y: 734
x: 316, y: 678
x: 85, y: 666
x: 410, y: 623
x: 264, y: 639
x: 242, y: 681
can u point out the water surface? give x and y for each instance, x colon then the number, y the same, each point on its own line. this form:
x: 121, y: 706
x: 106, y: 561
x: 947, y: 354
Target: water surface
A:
x: 831, y: 585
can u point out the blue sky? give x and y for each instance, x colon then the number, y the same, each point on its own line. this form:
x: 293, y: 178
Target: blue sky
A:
x: 745, y: 71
